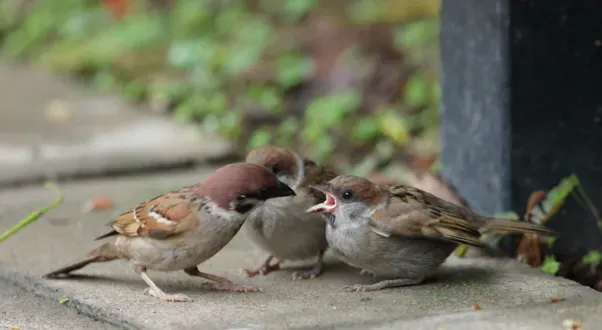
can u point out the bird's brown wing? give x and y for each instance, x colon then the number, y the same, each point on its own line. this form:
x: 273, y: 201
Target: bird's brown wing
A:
x: 161, y: 217
x: 413, y: 213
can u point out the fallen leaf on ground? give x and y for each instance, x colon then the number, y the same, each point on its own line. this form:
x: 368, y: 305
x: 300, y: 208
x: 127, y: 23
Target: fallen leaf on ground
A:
x: 555, y: 300
x: 572, y: 324
x: 14, y: 327
x: 476, y: 307
x: 57, y: 111
x: 97, y: 204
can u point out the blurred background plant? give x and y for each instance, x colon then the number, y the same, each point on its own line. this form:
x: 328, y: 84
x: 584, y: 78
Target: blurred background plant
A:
x: 351, y: 82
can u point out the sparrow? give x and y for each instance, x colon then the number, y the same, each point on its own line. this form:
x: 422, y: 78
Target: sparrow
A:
x: 181, y: 229
x: 281, y: 226
x: 400, y: 234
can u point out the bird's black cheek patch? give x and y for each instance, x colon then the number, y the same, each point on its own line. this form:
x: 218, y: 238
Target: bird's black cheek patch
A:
x: 243, y: 207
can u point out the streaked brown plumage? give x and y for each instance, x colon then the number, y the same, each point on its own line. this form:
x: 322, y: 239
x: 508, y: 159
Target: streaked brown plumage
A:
x: 400, y: 234
x: 181, y: 229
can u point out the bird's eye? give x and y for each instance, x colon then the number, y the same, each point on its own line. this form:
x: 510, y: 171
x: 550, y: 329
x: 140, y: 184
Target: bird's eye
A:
x: 274, y: 169
x: 241, y: 198
x: 347, y: 195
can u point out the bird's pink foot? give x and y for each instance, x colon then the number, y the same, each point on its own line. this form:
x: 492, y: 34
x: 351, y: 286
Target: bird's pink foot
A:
x: 157, y: 293
x: 310, y: 273
x: 263, y: 270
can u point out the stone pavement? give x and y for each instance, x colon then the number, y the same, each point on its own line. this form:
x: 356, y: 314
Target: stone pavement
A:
x: 51, y: 127
x: 23, y: 309
x: 511, y: 296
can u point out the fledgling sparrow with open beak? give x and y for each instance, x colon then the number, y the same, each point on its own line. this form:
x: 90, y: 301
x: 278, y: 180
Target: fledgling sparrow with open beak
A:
x: 400, y: 234
x: 181, y: 229
x: 281, y: 226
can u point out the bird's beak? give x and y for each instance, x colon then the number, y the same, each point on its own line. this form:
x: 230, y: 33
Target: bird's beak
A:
x: 329, y: 205
x: 282, y: 190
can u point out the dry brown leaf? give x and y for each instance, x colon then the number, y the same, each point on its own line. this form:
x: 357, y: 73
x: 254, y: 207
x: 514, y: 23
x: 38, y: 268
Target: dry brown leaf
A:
x: 572, y: 325
x: 476, y: 307
x: 97, y: 204
x: 530, y: 247
x: 535, y: 198
x: 423, y: 161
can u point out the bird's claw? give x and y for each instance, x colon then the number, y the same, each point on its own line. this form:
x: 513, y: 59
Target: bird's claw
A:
x: 263, y: 270
x: 177, y: 297
x: 358, y: 288
x: 308, y: 273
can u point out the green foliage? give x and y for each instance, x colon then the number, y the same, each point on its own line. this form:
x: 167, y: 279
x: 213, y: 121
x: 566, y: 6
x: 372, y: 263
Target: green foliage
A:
x: 550, y: 265
x: 506, y: 215
x: 293, y: 69
x: 35, y: 215
x: 592, y: 258
x: 324, y: 114
x: 205, y: 57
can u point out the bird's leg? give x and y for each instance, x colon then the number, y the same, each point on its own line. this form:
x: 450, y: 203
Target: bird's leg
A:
x: 156, y: 292
x: 313, y: 272
x: 220, y: 283
x: 383, y: 284
x: 265, y: 268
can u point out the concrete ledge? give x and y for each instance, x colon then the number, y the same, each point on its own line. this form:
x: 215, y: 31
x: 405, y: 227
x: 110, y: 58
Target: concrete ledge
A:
x: 50, y: 127
x: 510, y: 294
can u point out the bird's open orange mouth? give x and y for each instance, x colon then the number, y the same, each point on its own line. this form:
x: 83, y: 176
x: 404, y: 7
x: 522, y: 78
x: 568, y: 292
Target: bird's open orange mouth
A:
x: 329, y: 205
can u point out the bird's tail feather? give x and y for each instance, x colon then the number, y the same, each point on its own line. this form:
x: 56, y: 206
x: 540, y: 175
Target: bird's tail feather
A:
x: 103, y: 253
x: 516, y: 227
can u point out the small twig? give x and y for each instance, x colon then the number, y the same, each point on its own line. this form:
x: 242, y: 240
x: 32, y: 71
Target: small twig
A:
x: 36, y: 214
x: 590, y: 206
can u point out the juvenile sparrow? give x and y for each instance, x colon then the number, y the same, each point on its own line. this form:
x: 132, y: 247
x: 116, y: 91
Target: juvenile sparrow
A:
x: 281, y: 226
x: 397, y: 233
x: 183, y: 228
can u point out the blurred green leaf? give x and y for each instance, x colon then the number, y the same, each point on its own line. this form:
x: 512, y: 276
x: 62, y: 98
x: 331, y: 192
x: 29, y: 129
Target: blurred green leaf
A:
x: 270, y: 98
x: 506, y: 215
x: 324, y: 148
x: 260, y: 137
x: 364, y: 10
x: 417, y: 33
x: 185, y: 53
x: 230, y: 123
x: 295, y: 9
x: 327, y: 111
x: 417, y: 91
x: 189, y: 18
x: 293, y: 69
x: 550, y: 265
x: 366, y: 129
x: 592, y: 258
x: 554, y: 199
x: 395, y: 127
